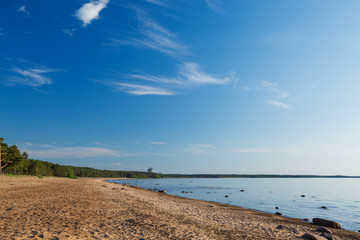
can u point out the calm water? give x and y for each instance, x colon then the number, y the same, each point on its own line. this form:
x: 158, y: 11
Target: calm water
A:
x: 340, y: 195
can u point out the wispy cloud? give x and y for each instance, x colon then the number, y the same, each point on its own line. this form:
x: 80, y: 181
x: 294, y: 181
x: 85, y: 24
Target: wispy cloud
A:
x: 75, y: 152
x: 215, y: 5
x: 189, y: 75
x: 138, y: 89
x: 263, y: 150
x: 157, y: 143
x: 23, y: 10
x: 157, y: 2
x: 280, y: 94
x: 274, y: 88
x: 1, y: 34
x: 70, y: 31
x: 90, y: 11
x: 200, y: 149
x: 154, y: 36
x: 278, y: 104
x: 28, y: 73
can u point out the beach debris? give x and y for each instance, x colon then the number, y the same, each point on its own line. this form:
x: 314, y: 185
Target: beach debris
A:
x: 10, y: 208
x: 276, y: 207
x: 278, y: 213
x: 326, y: 223
x: 302, y: 196
x: 313, y: 237
x: 324, y: 207
x: 323, y: 229
x: 280, y: 227
x: 329, y: 236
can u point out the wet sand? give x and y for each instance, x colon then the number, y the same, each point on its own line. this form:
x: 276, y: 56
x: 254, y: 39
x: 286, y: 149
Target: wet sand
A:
x: 60, y: 208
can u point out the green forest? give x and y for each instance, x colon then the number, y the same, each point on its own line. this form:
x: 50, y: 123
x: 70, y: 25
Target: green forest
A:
x: 12, y: 161
x: 17, y: 163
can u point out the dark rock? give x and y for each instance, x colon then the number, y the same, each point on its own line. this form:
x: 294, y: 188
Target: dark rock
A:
x: 329, y: 236
x: 162, y: 191
x: 242, y: 190
x: 306, y: 219
x: 312, y: 237
x: 294, y: 230
x: 276, y: 207
x: 324, y: 207
x: 277, y: 213
x: 326, y: 223
x: 10, y: 208
x: 302, y: 196
x: 323, y: 229
x: 280, y: 227
x: 226, y: 195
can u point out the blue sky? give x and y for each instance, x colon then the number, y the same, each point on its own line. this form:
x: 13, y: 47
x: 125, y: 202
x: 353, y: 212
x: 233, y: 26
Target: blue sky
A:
x: 183, y: 86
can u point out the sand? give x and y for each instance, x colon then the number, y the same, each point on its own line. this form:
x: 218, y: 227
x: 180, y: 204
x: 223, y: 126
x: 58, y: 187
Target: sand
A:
x: 60, y: 208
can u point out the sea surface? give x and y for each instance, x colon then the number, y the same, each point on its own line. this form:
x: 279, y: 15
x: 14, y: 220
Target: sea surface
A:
x: 340, y: 195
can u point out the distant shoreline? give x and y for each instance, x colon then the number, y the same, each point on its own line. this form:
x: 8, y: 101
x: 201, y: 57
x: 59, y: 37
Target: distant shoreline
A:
x: 252, y: 176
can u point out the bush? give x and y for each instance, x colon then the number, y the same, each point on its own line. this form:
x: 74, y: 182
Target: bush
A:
x: 70, y: 174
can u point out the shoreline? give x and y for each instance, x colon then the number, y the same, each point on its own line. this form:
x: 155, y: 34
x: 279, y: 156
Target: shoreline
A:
x: 60, y: 208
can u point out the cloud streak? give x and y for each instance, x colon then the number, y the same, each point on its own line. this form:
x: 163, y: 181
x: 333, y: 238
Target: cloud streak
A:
x: 75, y: 152
x: 189, y: 75
x: 278, y: 104
x: 200, y: 149
x: 280, y: 95
x: 215, y: 5
x: 23, y: 10
x: 263, y: 150
x: 154, y: 36
x: 90, y: 11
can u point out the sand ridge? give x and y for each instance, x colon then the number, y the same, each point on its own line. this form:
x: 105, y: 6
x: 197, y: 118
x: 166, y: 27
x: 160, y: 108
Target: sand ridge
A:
x: 60, y: 208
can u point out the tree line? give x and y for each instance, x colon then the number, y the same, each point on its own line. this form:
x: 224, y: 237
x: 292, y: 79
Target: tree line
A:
x: 12, y: 161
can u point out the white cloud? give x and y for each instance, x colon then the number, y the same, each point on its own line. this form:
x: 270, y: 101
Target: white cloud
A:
x: 157, y: 143
x: 69, y: 32
x: 75, y: 152
x: 215, y: 5
x: 90, y: 11
x: 156, y: 37
x: 274, y: 88
x: 29, y: 76
x: 26, y: 73
x: 137, y: 89
x: 157, y: 2
x: 189, y: 75
x: 23, y: 10
x: 263, y: 150
x: 200, y: 149
x: 278, y: 104
x: 280, y: 94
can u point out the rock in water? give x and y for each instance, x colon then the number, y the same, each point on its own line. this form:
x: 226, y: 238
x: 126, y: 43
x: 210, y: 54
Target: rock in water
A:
x: 326, y: 223
x: 313, y: 237
x: 324, y: 207
x: 302, y: 195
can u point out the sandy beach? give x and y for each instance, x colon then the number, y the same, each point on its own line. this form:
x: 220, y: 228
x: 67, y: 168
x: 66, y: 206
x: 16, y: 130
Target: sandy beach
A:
x: 59, y: 208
